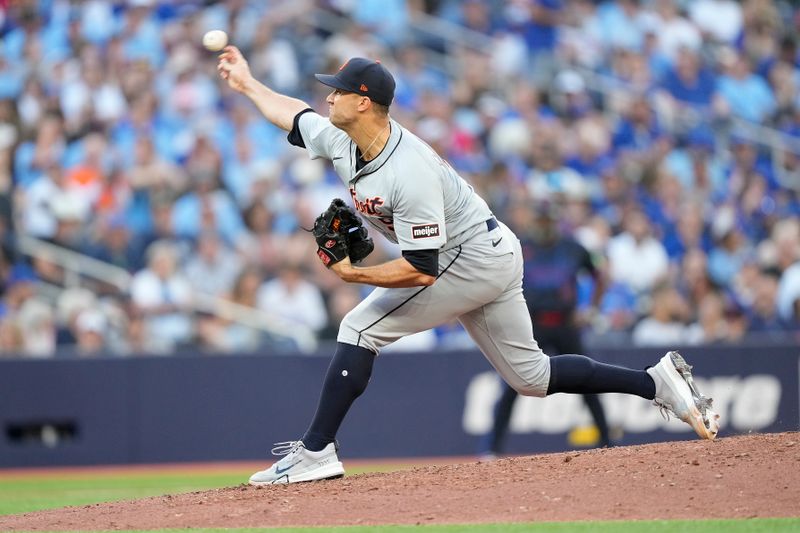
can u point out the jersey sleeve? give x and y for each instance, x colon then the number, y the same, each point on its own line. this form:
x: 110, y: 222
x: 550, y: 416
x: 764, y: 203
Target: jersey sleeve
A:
x: 294, y: 137
x: 426, y: 261
x: 419, y: 221
x: 318, y: 136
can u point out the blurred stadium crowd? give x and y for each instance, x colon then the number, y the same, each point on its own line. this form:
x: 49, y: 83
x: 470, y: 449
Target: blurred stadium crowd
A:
x: 635, y: 117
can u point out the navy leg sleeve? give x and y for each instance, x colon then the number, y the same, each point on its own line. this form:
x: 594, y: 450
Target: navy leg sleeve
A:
x: 347, y: 377
x: 580, y: 375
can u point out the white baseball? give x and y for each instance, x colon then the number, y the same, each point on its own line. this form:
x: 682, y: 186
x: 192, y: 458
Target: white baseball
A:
x: 215, y: 40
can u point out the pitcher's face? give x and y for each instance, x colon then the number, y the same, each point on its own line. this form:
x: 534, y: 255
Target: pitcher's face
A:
x: 342, y: 107
x: 345, y: 108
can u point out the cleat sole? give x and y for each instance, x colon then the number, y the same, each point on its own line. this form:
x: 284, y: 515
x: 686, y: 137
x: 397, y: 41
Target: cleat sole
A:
x: 702, y: 418
x: 330, y: 471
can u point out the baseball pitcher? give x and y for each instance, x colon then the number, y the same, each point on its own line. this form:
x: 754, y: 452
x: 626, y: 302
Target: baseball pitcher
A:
x: 458, y: 262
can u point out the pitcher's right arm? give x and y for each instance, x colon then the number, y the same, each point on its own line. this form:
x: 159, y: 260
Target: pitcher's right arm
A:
x: 277, y: 108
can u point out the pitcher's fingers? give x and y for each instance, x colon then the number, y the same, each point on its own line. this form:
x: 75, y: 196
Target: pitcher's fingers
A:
x: 226, y: 54
x: 231, y: 53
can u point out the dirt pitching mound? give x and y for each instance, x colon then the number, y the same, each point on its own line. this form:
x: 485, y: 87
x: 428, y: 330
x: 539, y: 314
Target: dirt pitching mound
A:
x: 735, y: 477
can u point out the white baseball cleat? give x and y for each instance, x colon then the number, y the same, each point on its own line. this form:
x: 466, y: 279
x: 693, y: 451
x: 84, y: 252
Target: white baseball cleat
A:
x: 676, y: 394
x: 299, y: 464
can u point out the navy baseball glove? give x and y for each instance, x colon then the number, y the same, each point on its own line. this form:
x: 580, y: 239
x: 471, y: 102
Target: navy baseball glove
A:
x: 339, y: 233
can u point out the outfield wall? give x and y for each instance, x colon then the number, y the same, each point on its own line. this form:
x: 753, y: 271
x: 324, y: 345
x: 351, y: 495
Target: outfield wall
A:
x: 183, y: 408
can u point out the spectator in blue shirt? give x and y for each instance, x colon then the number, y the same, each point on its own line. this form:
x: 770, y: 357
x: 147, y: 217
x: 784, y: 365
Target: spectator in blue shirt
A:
x: 639, y: 142
x: 747, y: 95
x: 540, y: 32
x: 12, y: 78
x: 745, y: 164
x: 696, y: 164
x: 731, y: 249
x: 536, y: 22
x: 621, y: 24
x: 762, y: 314
x: 142, y: 33
x: 639, y: 130
x: 688, y: 233
x: 688, y: 82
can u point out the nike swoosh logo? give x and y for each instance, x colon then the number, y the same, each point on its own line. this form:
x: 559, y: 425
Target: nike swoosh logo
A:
x: 337, y: 158
x: 282, y: 470
x: 495, y: 243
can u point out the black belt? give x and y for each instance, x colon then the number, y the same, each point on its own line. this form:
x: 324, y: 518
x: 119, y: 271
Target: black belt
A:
x: 492, y: 224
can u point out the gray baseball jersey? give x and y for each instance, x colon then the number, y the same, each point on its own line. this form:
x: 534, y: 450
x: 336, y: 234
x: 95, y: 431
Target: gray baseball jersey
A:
x: 408, y: 193
x: 414, y: 198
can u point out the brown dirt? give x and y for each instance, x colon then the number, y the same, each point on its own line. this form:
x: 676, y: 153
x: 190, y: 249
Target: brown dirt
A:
x: 736, y: 477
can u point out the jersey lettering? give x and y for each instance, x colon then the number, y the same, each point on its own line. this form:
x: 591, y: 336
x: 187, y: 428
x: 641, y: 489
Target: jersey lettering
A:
x: 368, y: 206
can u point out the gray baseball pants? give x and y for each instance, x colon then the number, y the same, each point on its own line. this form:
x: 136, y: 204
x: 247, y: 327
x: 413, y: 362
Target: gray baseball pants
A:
x: 480, y: 285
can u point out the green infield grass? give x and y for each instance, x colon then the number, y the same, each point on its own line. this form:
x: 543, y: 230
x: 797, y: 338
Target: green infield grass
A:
x: 20, y: 493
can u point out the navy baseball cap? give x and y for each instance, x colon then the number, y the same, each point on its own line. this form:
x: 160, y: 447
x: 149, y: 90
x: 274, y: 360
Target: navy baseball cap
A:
x: 364, y: 77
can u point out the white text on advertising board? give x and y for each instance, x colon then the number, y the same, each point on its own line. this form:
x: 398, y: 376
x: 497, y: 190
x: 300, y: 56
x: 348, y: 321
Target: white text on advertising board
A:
x: 744, y: 403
